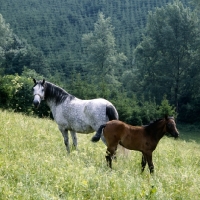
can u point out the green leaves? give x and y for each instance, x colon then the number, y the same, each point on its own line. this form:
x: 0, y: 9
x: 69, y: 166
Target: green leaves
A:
x: 166, y: 56
x: 100, y: 48
x: 166, y: 109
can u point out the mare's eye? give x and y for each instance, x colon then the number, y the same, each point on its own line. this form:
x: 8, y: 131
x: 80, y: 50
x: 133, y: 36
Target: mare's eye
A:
x: 42, y: 90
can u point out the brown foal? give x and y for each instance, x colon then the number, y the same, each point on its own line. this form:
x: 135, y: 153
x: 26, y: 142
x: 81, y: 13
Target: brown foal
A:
x: 139, y: 138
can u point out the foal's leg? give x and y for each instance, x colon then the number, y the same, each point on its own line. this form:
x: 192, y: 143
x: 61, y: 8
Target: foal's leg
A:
x: 150, y: 162
x: 144, y: 161
x: 66, y: 138
x: 74, y: 138
x: 110, y: 153
x: 108, y: 160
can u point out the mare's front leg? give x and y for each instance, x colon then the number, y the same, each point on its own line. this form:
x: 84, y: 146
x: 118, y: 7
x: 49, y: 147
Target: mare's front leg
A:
x: 66, y: 138
x: 144, y: 161
x: 74, y: 138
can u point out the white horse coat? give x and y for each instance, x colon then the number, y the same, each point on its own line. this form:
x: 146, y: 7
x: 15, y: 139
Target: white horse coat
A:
x: 71, y: 113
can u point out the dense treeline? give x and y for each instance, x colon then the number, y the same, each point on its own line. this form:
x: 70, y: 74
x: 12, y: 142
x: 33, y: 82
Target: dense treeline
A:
x: 142, y: 62
x: 56, y: 27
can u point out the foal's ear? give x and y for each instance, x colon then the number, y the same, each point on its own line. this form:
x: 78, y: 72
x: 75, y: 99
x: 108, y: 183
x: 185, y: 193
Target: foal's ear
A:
x: 34, y: 80
x: 166, y: 116
x: 43, y: 81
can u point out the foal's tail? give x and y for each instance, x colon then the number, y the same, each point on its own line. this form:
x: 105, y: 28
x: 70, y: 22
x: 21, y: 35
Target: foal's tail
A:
x: 97, y: 136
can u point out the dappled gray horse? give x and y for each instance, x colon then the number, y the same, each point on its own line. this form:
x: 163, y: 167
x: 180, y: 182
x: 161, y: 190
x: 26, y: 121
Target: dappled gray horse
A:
x: 71, y: 113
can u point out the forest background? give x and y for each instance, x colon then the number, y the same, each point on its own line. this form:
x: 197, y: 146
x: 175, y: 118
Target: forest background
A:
x: 141, y: 55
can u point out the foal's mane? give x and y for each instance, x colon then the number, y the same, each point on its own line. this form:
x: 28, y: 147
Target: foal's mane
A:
x: 53, y: 92
x: 152, y: 124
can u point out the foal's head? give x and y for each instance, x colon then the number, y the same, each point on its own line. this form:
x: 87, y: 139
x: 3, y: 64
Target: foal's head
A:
x: 171, y: 127
x: 38, y: 92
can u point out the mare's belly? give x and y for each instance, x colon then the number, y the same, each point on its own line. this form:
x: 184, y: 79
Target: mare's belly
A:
x: 85, y: 129
x: 77, y: 126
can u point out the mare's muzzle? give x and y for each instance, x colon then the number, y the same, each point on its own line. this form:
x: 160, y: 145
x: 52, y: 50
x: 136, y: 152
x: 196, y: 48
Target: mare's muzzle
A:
x: 36, y: 100
x: 36, y: 103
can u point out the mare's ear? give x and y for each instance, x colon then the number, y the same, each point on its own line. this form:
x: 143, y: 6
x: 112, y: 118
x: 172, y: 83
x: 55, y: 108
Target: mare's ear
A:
x: 166, y: 116
x: 43, y: 81
x: 34, y: 80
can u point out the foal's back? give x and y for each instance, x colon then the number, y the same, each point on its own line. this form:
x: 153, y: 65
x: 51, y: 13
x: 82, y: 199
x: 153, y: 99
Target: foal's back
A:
x: 130, y: 137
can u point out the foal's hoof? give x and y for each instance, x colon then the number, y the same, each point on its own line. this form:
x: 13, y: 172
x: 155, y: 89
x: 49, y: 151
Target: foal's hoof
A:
x: 115, y: 158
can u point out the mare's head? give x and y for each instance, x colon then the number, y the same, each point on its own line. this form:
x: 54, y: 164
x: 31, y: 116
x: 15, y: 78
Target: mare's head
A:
x: 171, y: 127
x: 38, y: 92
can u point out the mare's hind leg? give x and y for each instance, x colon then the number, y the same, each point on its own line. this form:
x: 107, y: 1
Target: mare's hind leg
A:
x: 74, y: 138
x: 103, y: 139
x: 144, y: 162
x: 66, y: 138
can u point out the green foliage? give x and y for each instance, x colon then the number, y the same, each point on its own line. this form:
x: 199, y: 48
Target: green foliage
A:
x: 59, y: 39
x: 101, y: 51
x: 136, y: 111
x: 166, y: 109
x: 167, y: 57
x: 34, y: 165
x: 16, y: 93
x: 168, y: 61
x: 191, y: 110
x: 9, y: 87
x: 5, y: 39
x: 82, y: 89
x: 15, y: 53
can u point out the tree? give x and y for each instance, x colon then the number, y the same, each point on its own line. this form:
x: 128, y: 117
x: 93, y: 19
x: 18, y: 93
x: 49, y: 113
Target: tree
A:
x: 101, y: 51
x: 167, y: 59
x: 12, y: 49
x: 5, y: 39
x: 196, y: 3
x: 166, y: 109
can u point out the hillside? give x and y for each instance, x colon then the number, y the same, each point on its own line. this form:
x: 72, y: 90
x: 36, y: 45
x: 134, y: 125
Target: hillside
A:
x: 56, y: 27
x: 34, y: 165
x: 137, y: 66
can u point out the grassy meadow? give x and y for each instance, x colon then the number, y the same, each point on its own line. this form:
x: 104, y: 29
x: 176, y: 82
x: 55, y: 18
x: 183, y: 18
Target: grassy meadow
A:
x: 34, y: 165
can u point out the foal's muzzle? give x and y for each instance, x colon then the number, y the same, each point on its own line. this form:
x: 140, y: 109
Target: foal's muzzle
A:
x: 175, y: 135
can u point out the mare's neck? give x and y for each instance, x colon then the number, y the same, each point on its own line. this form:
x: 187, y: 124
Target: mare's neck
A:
x: 52, y: 106
x: 55, y: 94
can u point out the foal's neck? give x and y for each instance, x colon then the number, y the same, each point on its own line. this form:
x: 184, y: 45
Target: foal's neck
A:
x: 159, y: 130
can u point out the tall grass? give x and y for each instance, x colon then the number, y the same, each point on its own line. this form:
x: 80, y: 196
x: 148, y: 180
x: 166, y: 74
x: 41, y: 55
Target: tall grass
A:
x: 34, y: 165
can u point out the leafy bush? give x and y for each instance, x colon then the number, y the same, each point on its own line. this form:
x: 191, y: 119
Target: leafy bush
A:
x: 16, y: 93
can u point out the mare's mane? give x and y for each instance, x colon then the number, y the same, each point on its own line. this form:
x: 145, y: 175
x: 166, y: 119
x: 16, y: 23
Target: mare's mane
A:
x: 53, y: 92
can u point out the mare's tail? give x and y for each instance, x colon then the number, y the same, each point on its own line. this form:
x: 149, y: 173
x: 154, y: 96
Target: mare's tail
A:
x: 111, y: 112
x: 97, y: 136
